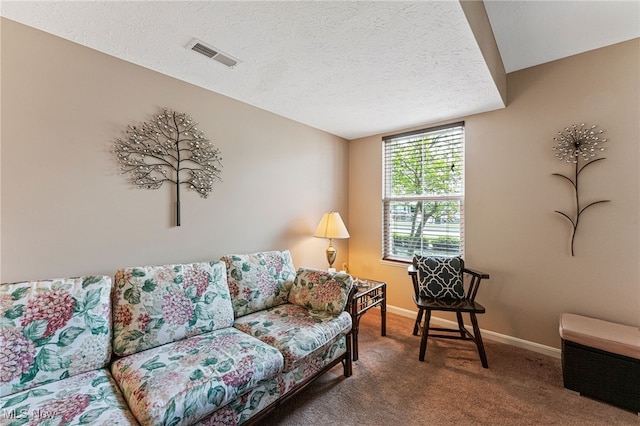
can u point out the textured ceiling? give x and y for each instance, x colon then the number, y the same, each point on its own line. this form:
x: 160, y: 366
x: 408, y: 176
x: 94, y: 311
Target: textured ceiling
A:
x: 350, y: 68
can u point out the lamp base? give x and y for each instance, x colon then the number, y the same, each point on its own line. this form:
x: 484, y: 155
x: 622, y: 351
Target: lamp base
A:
x: 331, y: 253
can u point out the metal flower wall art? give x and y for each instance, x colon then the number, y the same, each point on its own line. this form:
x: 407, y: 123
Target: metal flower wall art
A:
x: 169, y: 148
x: 578, y: 145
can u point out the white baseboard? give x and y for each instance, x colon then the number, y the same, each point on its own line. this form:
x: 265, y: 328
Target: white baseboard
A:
x: 491, y: 335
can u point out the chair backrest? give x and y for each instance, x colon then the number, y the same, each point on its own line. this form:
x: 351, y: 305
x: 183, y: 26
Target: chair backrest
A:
x: 443, y: 278
x: 439, y: 277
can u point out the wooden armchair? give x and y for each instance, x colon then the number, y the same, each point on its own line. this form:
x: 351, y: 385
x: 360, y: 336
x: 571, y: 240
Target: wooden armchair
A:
x: 438, y: 285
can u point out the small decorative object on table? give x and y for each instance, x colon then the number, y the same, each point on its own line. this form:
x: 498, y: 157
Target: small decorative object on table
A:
x: 361, y: 284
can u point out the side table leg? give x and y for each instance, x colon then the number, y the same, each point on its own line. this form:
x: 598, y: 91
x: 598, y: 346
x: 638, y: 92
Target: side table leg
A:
x: 383, y: 310
x: 354, y: 328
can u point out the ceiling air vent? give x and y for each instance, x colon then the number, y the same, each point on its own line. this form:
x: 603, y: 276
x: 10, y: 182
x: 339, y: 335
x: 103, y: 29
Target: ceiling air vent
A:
x: 212, y: 53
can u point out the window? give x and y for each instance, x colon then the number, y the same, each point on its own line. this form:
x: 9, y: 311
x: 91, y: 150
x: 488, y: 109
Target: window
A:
x: 423, y: 194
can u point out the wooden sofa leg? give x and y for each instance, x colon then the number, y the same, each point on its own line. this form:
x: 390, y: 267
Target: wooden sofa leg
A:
x: 346, y: 361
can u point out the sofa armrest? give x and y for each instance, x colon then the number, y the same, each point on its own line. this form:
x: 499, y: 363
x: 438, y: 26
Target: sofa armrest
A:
x: 320, y: 290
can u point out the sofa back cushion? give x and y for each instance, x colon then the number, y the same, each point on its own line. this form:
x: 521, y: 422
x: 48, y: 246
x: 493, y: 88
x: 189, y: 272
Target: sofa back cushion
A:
x: 53, y: 329
x: 154, y: 305
x: 320, y: 290
x: 259, y: 280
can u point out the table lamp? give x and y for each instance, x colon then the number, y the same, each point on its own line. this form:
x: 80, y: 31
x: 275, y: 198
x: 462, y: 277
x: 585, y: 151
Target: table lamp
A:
x: 331, y: 226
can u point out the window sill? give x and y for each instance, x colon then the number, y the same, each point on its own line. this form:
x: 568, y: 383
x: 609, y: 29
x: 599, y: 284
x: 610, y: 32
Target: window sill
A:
x: 396, y: 263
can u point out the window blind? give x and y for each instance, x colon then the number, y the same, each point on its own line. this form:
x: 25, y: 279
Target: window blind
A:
x: 423, y: 194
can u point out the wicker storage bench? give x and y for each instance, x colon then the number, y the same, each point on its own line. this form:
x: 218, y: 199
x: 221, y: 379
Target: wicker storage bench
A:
x: 601, y: 360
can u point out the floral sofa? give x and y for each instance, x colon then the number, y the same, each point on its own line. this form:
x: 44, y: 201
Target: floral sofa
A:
x: 215, y: 343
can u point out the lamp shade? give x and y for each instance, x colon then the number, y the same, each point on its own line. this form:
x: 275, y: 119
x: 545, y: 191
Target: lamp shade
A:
x: 331, y: 226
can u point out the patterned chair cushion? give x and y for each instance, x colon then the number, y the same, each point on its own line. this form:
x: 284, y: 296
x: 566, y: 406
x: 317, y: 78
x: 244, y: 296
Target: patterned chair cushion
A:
x: 154, y: 305
x: 53, y: 329
x: 181, y: 382
x: 259, y: 280
x: 296, y: 331
x: 440, y: 277
x: 84, y: 399
x: 321, y: 290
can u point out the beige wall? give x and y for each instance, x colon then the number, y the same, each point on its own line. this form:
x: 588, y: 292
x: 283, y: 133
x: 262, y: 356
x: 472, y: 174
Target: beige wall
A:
x: 511, y: 229
x: 67, y: 211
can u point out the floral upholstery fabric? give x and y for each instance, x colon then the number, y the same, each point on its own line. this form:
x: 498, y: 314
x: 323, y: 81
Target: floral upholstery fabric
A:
x: 53, y: 329
x: 259, y: 280
x: 87, y: 398
x: 181, y: 382
x: 296, y: 331
x: 155, y: 305
x: 266, y: 392
x: 244, y: 407
x: 321, y: 290
x: 311, y: 365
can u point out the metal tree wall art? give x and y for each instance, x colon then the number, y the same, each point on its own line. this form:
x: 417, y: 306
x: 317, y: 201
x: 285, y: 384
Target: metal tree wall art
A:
x: 578, y: 145
x: 170, y: 148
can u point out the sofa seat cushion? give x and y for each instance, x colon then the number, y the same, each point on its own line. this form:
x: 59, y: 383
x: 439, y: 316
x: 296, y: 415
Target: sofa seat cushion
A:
x: 296, y: 331
x: 52, y: 329
x: 181, y: 382
x: 267, y: 392
x: 154, y: 305
x: 88, y: 398
x: 241, y: 409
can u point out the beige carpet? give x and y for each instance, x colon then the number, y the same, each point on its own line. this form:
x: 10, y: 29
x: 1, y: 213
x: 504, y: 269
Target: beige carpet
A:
x: 390, y: 386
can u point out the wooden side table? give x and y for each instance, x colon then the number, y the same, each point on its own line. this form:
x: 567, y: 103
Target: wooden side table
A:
x: 370, y: 293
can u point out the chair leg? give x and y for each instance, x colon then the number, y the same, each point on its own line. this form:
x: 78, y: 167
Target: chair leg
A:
x: 416, y: 326
x: 461, y: 325
x: 425, y: 335
x: 478, y: 339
